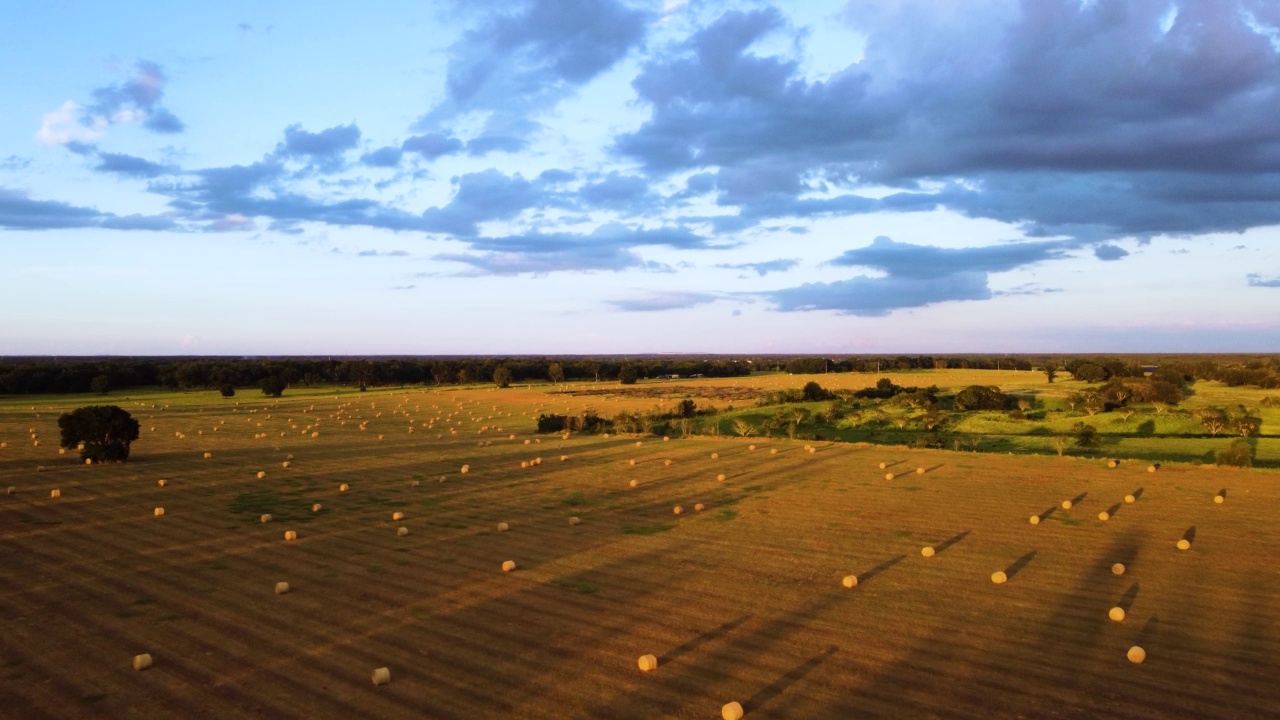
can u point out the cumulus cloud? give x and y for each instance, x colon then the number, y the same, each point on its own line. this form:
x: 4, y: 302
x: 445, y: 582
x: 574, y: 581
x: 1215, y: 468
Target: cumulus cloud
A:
x: 382, y: 157
x: 432, y: 145
x: 18, y: 211
x: 130, y: 166
x: 609, y: 247
x: 324, y: 149
x: 1257, y: 280
x: 137, y: 100
x: 1110, y: 252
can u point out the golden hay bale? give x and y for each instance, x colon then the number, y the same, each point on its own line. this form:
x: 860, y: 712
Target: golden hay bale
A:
x: 508, y: 565
x: 158, y: 511
x: 1112, y: 463
x: 563, y: 458
x: 402, y: 531
x: 633, y: 483
x: 209, y: 454
x: 1066, y: 504
x: 261, y: 474
x: 284, y: 464
x: 1152, y: 468
x: 415, y: 483
x: 888, y: 476
x: 1116, y: 613
x: 381, y: 676
x: 751, y: 447
x: 773, y: 451
x: 88, y: 461
x: 503, y: 527
x: 1104, y: 516
x: 731, y: 711
x: 466, y: 469
x: 1117, y: 569
x: 317, y: 434
x: 850, y: 581
x: 397, y: 516
x: 574, y: 521
x: 883, y: 465
x: 317, y: 507
x: 999, y: 577
x: 648, y: 662
x: 1136, y: 654
x: 35, y: 443
x: 1130, y: 499
x: 55, y: 493
x: 344, y: 487
x: 666, y: 439
x: 812, y: 450
x: 290, y: 535
x: 282, y: 588
x: 715, y: 456
x: 537, y: 461
x: 141, y: 662
x: 525, y: 463
x: 512, y: 436
x: 919, y: 471
x: 927, y: 551
x: 720, y: 477
x: 1035, y: 519
x: 667, y: 462
x: 160, y: 483
x: 266, y: 518
x: 631, y: 462
x: 677, y: 510
x: 62, y: 451
x: 1184, y: 544
x: 1218, y: 499
x: 699, y: 507
x: 289, y: 456
x: 526, y: 442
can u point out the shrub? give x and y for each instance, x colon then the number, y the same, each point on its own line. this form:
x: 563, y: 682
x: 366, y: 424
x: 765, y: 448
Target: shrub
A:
x: 272, y: 386
x: 1238, y: 454
x: 105, y: 431
x: 228, y: 391
x: 981, y: 397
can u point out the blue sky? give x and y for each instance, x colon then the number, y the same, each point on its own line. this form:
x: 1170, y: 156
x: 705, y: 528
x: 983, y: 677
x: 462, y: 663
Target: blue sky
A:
x: 575, y: 176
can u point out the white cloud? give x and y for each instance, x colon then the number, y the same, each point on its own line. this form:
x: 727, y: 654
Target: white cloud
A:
x: 63, y: 126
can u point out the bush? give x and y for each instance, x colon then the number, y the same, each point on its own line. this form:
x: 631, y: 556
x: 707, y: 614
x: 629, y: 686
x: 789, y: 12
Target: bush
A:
x: 105, y: 431
x: 813, y: 392
x: 272, y: 386
x: 627, y: 374
x: 929, y: 440
x: 228, y: 391
x: 1238, y: 454
x: 981, y: 397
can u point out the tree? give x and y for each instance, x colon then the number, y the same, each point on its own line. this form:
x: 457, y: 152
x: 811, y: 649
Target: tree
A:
x: 1073, y: 399
x: 813, y: 392
x: 102, y: 431
x: 100, y: 384
x: 1238, y: 454
x: 1086, y: 436
x: 980, y: 397
x: 1213, y: 419
x: 687, y: 408
x: 556, y: 372
x: 1050, y: 372
x: 1060, y: 443
x: 1090, y: 373
x: 502, y: 376
x: 272, y: 386
x: 1246, y: 425
x: 1094, y: 403
x: 627, y: 374
x: 228, y: 391
x: 742, y: 427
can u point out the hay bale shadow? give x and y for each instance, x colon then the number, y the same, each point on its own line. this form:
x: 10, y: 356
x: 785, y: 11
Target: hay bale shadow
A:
x: 862, y: 578
x: 700, y: 640
x: 1126, y: 601
x: 942, y: 546
x: 791, y: 677
x: 1019, y: 564
x: 1190, y: 534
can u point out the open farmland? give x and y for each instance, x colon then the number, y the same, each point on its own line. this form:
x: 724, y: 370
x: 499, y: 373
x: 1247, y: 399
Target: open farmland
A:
x: 741, y: 601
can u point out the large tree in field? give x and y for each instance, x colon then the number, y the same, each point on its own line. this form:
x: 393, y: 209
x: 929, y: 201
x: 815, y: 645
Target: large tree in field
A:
x: 102, y: 431
x: 502, y: 376
x: 555, y: 371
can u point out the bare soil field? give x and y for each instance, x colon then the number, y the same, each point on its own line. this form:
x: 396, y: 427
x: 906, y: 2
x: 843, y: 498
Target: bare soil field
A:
x: 741, y: 600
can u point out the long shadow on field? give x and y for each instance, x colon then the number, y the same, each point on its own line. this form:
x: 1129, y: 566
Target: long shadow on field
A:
x: 1047, y: 513
x: 1130, y: 596
x: 864, y: 577
x: 930, y: 469
x: 1137, y: 494
x: 1079, y: 498
x: 1190, y: 534
x: 1019, y: 564
x: 700, y: 640
x: 779, y: 686
x: 942, y: 546
x: 1111, y: 511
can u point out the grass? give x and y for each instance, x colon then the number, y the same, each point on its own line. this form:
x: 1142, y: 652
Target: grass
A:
x: 579, y: 586
x: 650, y: 529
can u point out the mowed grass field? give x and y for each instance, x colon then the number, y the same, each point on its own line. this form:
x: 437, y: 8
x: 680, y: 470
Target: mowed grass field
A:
x: 741, y: 601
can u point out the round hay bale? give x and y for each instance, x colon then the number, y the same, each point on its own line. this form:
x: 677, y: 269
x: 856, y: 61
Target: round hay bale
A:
x: 999, y: 577
x: 466, y: 469
x: 344, y: 487
x: 1066, y: 504
x: 699, y: 507
x: 397, y: 515
x: 850, y: 581
x: 919, y: 471
x: 731, y: 711
x: 290, y: 535
x: 160, y: 483
x: 381, y: 676
x: 666, y: 439
x: 503, y: 527
x: 1112, y: 463
x: 633, y: 483
x: 55, y: 493
x: 1136, y: 654
x: 525, y: 464
x: 888, y: 476
x: 715, y: 456
x: 1117, y: 569
x: 62, y: 451
x: 574, y: 520
x: 563, y: 458
x: 88, y: 461
x: 266, y: 518
x: 415, y: 483
x: 402, y: 531
x: 1116, y: 613
x: 158, y: 512
x: 720, y: 477
x: 639, y: 443
x: 316, y: 508
x: 1130, y: 499
x: 282, y: 588
x: 677, y: 510
x: 508, y: 565
x: 289, y: 456
x: 1104, y: 516
x: 883, y: 465
x: 812, y: 450
x: 1184, y: 544
x: 667, y: 462
x: 648, y: 663
x: 631, y: 462
x: 928, y: 551
x: 537, y: 461
x: 751, y: 447
x: 1218, y: 499
x: 284, y: 464
x: 1035, y: 519
x: 526, y: 442
x: 512, y: 436
x: 142, y: 662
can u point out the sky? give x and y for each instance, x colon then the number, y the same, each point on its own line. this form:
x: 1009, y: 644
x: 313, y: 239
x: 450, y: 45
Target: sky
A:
x: 640, y: 176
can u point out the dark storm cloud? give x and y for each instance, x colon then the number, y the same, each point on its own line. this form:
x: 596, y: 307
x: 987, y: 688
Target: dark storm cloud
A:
x: 131, y: 166
x: 523, y: 57
x: 763, y: 268
x: 1065, y: 117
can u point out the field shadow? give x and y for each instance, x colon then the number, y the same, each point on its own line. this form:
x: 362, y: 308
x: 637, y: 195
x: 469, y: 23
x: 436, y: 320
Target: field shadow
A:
x: 1126, y: 601
x: 862, y: 578
x: 1111, y: 511
x: 700, y: 640
x: 1137, y: 494
x: 1190, y: 534
x: 890, y: 464
x: 930, y: 469
x: 1079, y: 498
x: 1019, y: 564
x: 1148, y: 632
x: 942, y: 546
x: 1047, y: 513
x: 791, y: 677
x: 1222, y: 493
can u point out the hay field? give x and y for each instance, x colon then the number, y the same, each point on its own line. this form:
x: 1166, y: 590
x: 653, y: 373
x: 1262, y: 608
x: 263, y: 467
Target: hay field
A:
x: 742, y: 601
